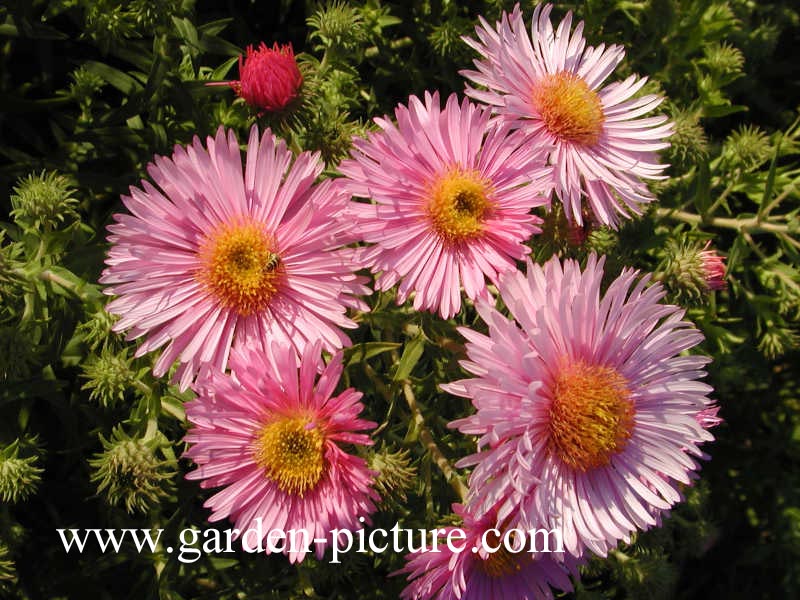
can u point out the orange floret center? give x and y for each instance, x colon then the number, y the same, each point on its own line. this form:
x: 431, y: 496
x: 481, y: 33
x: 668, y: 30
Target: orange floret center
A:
x: 570, y: 110
x: 501, y: 563
x: 291, y: 452
x: 591, y: 415
x: 458, y: 203
x: 240, y: 267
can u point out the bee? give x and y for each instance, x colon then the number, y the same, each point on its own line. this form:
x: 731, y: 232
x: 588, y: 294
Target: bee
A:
x: 273, y: 262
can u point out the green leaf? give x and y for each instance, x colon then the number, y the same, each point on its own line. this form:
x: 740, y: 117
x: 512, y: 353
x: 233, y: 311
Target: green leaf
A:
x: 411, y: 355
x: 214, y: 45
x: 122, y: 81
x: 770, y: 183
x: 215, y: 27
x: 367, y: 350
x: 221, y: 72
x: 8, y: 29
x: 186, y: 31
x: 723, y: 110
x: 702, y: 199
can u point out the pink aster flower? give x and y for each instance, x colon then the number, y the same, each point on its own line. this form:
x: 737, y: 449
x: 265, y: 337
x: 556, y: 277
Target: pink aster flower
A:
x: 216, y: 257
x: 589, y: 415
x: 550, y: 84
x: 452, y: 200
x: 272, y: 435
x: 490, y: 571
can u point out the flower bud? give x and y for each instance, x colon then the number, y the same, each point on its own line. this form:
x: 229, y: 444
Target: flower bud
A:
x: 109, y: 377
x: 19, y: 477
x: 8, y: 570
x: 688, y: 143
x: 713, y: 266
x: 395, y: 475
x: 129, y: 473
x: 746, y: 148
x: 270, y: 79
x: 338, y: 25
x: 43, y: 201
x: 690, y: 273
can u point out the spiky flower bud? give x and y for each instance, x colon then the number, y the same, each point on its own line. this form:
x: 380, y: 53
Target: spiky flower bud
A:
x: 270, y: 79
x: 724, y: 60
x: 43, y: 202
x: 602, y: 240
x: 337, y: 25
x: 689, y: 273
x: 109, y: 376
x: 395, y: 475
x: 96, y: 330
x: 775, y: 340
x: 446, y: 39
x: 332, y: 135
x: 688, y: 144
x: 11, y: 277
x: 8, y: 570
x: 129, y: 473
x: 84, y: 84
x: 747, y: 148
x: 19, y: 477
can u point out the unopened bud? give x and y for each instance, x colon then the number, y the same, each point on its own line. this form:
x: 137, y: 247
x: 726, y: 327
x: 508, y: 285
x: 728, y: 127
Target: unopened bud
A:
x: 129, y: 473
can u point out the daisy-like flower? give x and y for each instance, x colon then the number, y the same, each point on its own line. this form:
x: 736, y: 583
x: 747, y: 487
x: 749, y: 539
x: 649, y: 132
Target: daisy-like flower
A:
x: 550, y: 84
x: 485, y: 567
x: 216, y: 257
x: 589, y: 415
x: 272, y: 435
x: 453, y: 196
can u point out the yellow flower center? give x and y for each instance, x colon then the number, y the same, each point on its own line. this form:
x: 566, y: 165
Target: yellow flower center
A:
x: 290, y: 450
x: 240, y: 267
x: 569, y: 109
x: 458, y: 203
x: 502, y: 562
x: 591, y: 415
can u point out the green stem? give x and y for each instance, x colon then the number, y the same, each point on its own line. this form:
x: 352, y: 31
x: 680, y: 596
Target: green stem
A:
x: 430, y: 445
x: 751, y: 225
x: 779, y: 198
x: 48, y: 275
x: 728, y: 189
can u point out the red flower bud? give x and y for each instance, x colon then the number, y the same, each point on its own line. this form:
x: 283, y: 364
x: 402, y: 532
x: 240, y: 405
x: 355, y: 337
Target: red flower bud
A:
x: 270, y: 79
x: 713, y: 266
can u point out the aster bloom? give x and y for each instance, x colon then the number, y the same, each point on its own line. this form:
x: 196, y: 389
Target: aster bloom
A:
x: 270, y: 79
x: 551, y: 86
x: 453, y: 196
x: 216, y: 257
x: 589, y: 415
x: 713, y: 266
x: 484, y: 573
x: 272, y: 435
